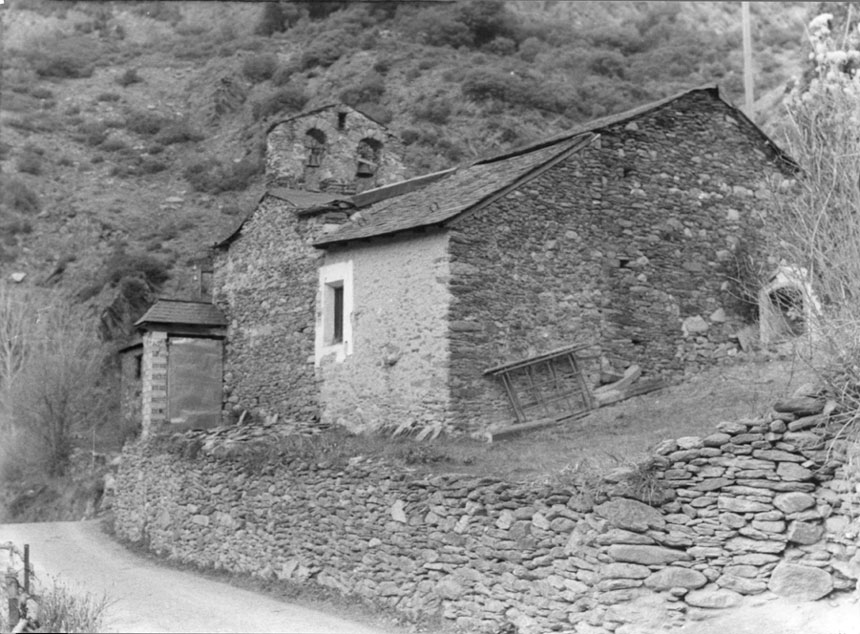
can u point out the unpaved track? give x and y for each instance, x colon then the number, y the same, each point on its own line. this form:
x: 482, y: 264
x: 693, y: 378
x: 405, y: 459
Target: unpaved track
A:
x: 146, y: 597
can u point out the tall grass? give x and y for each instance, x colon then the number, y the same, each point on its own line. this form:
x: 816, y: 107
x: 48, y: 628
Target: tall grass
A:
x: 62, y: 610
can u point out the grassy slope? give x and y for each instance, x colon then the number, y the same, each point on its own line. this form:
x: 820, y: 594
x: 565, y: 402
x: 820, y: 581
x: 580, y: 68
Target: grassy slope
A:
x: 93, y: 202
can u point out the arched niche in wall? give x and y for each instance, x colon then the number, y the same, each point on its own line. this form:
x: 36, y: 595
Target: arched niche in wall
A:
x: 368, y: 155
x: 315, y: 148
x: 787, y: 305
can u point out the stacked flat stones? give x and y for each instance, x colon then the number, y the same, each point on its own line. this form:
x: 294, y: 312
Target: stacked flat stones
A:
x: 750, y: 505
x: 759, y: 506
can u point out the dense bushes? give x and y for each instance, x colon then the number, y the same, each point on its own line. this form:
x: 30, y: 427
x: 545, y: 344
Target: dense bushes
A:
x: 259, y: 68
x: 368, y: 89
x: 121, y: 265
x: 17, y: 196
x: 67, y: 57
x: 213, y: 177
x: 291, y: 98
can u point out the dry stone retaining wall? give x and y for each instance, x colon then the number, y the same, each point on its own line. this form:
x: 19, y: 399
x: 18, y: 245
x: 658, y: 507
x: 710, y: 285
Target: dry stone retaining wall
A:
x: 758, y: 506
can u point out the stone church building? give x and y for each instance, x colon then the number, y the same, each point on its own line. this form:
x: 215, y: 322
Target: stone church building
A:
x: 487, y: 294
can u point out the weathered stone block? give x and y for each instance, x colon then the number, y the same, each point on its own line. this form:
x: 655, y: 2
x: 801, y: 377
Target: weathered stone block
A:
x: 713, y: 598
x: 740, y: 505
x: 630, y: 514
x: 645, y: 555
x: 800, y: 583
x: 676, y: 577
x: 793, y: 502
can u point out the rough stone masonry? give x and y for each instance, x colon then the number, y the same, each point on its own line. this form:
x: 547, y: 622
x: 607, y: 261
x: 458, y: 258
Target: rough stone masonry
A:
x: 759, y: 506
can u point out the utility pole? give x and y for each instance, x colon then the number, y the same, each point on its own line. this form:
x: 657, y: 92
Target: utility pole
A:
x: 748, y: 69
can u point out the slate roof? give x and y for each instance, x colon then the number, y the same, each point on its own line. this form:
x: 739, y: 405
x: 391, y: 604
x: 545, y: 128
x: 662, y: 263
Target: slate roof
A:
x: 302, y: 198
x: 466, y: 187
x: 178, y: 311
x: 446, y: 198
x: 297, y: 198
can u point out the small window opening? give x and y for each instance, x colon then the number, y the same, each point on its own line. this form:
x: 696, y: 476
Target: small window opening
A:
x: 337, y: 301
x: 341, y: 120
x: 623, y: 262
x: 138, y: 366
x: 315, y: 146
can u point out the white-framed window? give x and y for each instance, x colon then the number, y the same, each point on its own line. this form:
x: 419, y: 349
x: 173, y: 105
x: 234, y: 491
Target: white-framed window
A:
x: 334, y: 314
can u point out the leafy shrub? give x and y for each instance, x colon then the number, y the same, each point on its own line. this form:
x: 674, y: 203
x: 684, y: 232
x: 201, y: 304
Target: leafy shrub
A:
x: 213, y: 177
x: 15, y: 194
x: 14, y: 226
x: 382, y: 66
x: 259, y: 68
x: 439, y: 27
x: 435, y: 110
x: 114, y: 144
x: 501, y: 46
x: 68, y: 57
x: 368, y: 89
x: 284, y: 73
x: 122, y: 265
x: 108, y: 96
x: 92, y: 133
x: 128, y: 77
x: 18, y: 102
x: 410, y: 136
x: 33, y: 122
x: 41, y: 93
x: 530, y: 48
x: 145, y: 123
x: 178, y: 132
x: 29, y: 163
x: 157, y: 10
x: 288, y: 98
x: 152, y: 166
x: 324, y: 51
x: 471, y: 24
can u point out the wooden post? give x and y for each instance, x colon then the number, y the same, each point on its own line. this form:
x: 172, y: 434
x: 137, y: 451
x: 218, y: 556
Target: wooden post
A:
x: 749, y: 99
x: 27, y: 569
x: 12, y: 597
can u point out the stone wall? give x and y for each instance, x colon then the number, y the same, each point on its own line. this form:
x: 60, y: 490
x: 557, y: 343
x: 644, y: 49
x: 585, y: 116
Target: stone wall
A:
x: 398, y: 366
x: 759, y: 506
x: 617, y: 244
x: 286, y: 154
x: 266, y: 285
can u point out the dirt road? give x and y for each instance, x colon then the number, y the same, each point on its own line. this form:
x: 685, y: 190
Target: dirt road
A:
x: 150, y: 598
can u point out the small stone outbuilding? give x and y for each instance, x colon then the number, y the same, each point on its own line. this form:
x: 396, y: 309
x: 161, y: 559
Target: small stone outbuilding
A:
x: 390, y: 306
x: 175, y: 372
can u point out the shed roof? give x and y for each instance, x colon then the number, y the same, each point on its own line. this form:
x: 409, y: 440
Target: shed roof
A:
x: 435, y: 201
x: 179, y: 311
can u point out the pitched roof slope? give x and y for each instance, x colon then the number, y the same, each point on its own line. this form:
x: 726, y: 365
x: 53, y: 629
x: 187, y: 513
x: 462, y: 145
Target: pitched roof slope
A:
x: 177, y: 311
x: 444, y: 199
x: 463, y: 188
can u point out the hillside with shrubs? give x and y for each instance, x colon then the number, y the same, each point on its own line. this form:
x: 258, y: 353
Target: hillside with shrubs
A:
x: 133, y: 132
